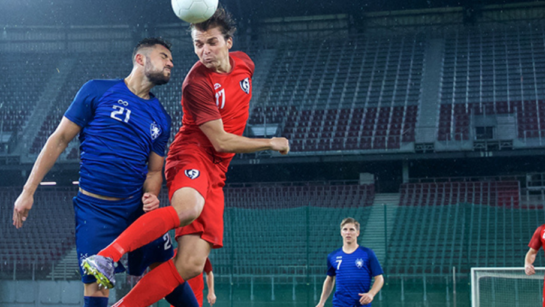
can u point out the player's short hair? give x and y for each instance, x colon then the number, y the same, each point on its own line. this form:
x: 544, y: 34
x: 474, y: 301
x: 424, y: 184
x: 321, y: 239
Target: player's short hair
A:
x: 150, y: 42
x: 221, y: 19
x: 349, y: 220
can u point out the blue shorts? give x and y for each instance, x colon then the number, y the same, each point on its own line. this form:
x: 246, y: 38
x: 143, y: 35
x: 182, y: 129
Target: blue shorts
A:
x: 100, y: 222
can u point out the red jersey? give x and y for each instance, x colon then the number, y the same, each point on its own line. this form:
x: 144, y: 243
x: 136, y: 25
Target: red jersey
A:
x: 537, y: 242
x: 207, y: 96
x: 538, y: 239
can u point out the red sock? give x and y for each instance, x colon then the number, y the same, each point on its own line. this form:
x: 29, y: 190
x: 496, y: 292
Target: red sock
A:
x: 147, y: 228
x: 157, y: 284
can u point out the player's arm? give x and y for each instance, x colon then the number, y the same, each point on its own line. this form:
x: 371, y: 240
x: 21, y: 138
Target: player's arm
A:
x: 228, y: 142
x: 326, y: 290
x: 529, y: 261
x: 534, y: 245
x: 55, y: 145
x: 211, y: 297
x: 154, y: 180
x: 377, y: 285
x: 366, y: 298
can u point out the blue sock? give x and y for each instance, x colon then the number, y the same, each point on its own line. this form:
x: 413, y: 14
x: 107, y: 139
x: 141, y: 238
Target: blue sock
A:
x: 94, y: 301
x: 182, y: 296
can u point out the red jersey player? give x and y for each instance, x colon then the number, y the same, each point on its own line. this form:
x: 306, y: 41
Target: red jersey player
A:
x: 215, y: 99
x: 537, y: 242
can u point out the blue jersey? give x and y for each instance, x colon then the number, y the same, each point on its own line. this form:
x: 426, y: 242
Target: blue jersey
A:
x: 353, y: 274
x: 119, y: 132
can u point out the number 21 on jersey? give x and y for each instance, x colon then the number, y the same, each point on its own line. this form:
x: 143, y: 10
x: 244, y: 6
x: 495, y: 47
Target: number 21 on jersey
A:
x: 118, y: 112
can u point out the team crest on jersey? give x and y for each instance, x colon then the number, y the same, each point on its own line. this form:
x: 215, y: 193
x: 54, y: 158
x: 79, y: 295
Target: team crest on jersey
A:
x: 155, y: 130
x: 192, y: 173
x: 359, y: 263
x: 83, y: 256
x: 216, y: 86
x: 245, y: 85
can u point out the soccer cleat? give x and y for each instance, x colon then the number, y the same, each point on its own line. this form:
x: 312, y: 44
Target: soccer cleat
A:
x: 102, y: 268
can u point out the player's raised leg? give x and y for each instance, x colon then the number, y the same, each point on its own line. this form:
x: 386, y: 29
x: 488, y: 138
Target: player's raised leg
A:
x: 188, y: 263
x: 187, y: 205
x: 195, y: 240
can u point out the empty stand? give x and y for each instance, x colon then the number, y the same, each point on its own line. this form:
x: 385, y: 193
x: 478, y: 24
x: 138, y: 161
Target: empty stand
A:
x: 427, y: 240
x: 494, y: 193
x: 290, y: 229
x: 445, y: 224
x: 289, y: 196
x: 22, y: 81
x: 277, y: 229
x: 263, y: 223
x: 335, y: 95
x: 489, y: 71
x: 499, y: 236
x: 331, y: 96
x: 46, y: 235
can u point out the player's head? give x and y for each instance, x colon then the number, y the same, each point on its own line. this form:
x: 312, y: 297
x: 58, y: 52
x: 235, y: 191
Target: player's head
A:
x: 213, y: 38
x: 154, y: 57
x: 350, y: 230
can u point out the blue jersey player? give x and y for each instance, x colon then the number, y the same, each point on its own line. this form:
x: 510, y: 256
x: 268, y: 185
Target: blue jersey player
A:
x: 351, y: 269
x: 123, y: 131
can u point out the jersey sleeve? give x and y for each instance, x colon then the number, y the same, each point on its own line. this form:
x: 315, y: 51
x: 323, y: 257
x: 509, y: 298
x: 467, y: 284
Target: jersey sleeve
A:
x: 82, y: 108
x: 330, y: 267
x: 535, y: 242
x: 207, y: 266
x: 247, y: 61
x: 199, y: 100
x: 374, y: 265
x: 160, y: 145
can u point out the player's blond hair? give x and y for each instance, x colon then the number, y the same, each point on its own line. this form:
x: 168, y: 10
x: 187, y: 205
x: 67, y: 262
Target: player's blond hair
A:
x: 349, y: 220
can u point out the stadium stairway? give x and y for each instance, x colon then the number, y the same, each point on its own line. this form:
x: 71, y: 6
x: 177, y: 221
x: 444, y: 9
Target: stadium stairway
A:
x: 47, y: 100
x: 66, y: 268
x: 373, y: 235
x: 263, y: 66
x: 429, y: 106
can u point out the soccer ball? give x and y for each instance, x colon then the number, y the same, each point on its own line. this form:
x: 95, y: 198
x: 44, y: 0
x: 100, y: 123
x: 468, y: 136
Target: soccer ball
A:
x: 194, y: 11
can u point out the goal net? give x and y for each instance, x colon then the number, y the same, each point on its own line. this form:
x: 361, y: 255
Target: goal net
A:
x: 498, y: 287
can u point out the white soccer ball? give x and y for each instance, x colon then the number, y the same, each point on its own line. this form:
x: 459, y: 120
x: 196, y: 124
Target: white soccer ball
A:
x: 194, y: 11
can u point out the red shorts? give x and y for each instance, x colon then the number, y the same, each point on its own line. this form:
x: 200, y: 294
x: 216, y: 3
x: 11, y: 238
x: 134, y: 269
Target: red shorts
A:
x: 208, y: 179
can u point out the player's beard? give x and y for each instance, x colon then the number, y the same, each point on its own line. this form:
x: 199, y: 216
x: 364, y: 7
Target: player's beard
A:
x: 154, y: 76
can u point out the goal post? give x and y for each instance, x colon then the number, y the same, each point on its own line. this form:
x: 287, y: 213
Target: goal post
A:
x: 498, y: 287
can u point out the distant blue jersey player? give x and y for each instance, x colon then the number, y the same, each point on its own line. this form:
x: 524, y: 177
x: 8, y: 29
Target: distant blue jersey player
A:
x: 123, y: 130
x: 352, y: 268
